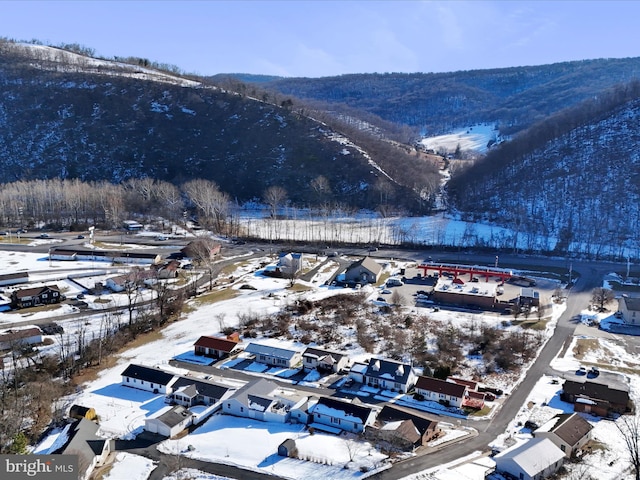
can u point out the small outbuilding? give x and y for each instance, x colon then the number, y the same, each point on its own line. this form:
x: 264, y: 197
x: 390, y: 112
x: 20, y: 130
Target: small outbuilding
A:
x: 78, y: 412
x: 288, y: 448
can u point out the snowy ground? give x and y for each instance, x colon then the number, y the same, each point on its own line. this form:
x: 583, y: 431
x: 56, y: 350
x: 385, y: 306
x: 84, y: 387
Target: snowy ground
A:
x: 224, y: 439
x: 473, y: 138
x: 122, y: 410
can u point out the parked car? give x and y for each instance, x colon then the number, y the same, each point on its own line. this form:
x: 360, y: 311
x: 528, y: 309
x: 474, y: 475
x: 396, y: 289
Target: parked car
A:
x: 43, y: 235
x: 161, y: 238
x: 394, y: 282
x: 80, y: 237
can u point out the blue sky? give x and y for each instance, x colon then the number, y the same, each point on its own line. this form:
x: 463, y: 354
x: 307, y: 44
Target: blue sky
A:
x: 333, y: 37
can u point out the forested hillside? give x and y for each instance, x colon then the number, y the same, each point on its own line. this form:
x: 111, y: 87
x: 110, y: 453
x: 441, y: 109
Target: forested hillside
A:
x: 574, y: 177
x: 433, y: 103
x: 67, y: 116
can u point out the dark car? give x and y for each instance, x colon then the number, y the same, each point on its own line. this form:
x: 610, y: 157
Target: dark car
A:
x: 80, y: 237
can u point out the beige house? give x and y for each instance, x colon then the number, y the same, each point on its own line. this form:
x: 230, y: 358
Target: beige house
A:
x: 363, y: 271
x: 630, y: 309
x: 568, y: 431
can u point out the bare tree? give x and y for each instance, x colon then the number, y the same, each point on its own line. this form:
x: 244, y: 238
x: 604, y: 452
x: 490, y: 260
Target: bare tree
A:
x: 274, y: 197
x: 602, y: 297
x: 629, y: 428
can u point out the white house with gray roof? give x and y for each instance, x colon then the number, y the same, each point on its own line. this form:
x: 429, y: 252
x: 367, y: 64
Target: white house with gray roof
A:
x: 266, y: 401
x: 533, y: 460
x: 274, y: 356
x: 366, y: 270
x: 151, y: 379
x: 188, y: 391
x: 169, y: 421
x: 324, y: 360
x: 390, y: 375
x: 334, y: 416
x: 630, y: 309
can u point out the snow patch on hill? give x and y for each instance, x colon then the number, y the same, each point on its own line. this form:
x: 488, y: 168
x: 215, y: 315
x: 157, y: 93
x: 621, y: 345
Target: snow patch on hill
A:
x: 475, y: 138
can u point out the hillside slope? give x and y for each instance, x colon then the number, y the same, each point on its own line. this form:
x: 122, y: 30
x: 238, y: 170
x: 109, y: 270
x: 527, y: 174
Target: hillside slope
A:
x: 435, y: 103
x: 574, y: 177
x: 64, y: 115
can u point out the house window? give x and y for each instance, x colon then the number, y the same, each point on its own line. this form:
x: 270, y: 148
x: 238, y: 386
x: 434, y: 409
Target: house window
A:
x: 128, y: 379
x: 335, y: 420
x: 151, y: 384
x: 442, y: 395
x: 563, y: 448
x: 242, y: 409
x: 521, y: 476
x: 398, y: 386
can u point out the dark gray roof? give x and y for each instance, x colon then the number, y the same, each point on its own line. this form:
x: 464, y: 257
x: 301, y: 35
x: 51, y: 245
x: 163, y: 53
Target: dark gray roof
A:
x: 388, y: 370
x: 350, y: 409
x: 368, y: 263
x: 208, y: 389
x: 174, y: 416
x: 319, y: 353
x: 148, y: 374
x: 632, y: 303
x: 394, y: 414
x: 257, y: 388
x: 83, y: 441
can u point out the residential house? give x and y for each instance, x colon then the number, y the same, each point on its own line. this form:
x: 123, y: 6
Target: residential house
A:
x: 436, y: 390
x: 334, y: 416
x: 357, y: 371
x: 203, y: 248
x: 188, y: 392
x: 605, y: 395
x: 20, y: 336
x: 629, y: 308
x: 168, y: 269
x: 535, y: 459
x: 568, y: 431
x: 151, y: 379
x: 83, y: 441
x: 169, y: 421
x: 366, y: 270
x: 135, y: 278
x: 266, y: 401
x: 78, y: 412
x: 36, y: 296
x: 324, y: 360
x: 290, y: 264
x: 474, y: 400
x: 215, y: 347
x: 402, y: 428
x: 389, y: 375
x: 274, y: 356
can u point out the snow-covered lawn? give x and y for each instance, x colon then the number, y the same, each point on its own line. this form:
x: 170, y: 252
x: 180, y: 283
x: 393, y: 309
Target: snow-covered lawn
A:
x: 253, y: 445
x: 131, y: 467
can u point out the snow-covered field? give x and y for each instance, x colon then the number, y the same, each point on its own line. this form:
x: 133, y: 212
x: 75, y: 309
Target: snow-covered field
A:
x: 475, y: 138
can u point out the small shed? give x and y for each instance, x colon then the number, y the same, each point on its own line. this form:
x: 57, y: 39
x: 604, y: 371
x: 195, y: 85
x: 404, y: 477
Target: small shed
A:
x: 288, y: 448
x: 78, y: 411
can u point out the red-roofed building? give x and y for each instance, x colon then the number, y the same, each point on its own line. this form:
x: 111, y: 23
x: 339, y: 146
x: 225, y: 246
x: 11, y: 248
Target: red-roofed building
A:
x: 436, y: 390
x: 215, y: 347
x: 474, y: 400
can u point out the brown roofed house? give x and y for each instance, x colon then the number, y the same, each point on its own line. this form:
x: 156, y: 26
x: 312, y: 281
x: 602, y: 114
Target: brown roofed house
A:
x: 568, y: 431
x: 215, y: 347
x: 35, y: 296
x: 441, y: 391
